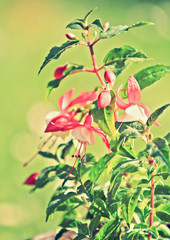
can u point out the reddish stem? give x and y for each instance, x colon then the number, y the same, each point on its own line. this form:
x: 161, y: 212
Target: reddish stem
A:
x: 152, y: 199
x: 96, y: 70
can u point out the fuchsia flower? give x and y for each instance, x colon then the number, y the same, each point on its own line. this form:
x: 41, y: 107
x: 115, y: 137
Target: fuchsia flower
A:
x: 64, y: 120
x: 70, y: 36
x: 59, y: 71
x: 31, y: 180
x: 84, y: 133
x: 104, y: 98
x: 134, y: 110
x: 109, y: 76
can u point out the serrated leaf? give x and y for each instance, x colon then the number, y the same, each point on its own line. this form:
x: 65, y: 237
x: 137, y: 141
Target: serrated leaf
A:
x: 163, y: 212
x: 97, y: 24
x: 107, y: 230
x: 151, y: 74
x: 117, y: 57
x: 156, y: 114
x: 153, y: 231
x: 55, y: 52
x: 55, y: 83
x: 159, y: 150
x: 101, y: 165
x: 162, y: 190
x: 115, y: 30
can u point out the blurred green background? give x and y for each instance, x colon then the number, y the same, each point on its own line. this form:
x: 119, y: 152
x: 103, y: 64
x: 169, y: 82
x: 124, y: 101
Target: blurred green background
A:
x: 28, y: 29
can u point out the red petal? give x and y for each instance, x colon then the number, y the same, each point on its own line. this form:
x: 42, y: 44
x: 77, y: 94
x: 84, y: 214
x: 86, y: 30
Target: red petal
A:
x: 31, y: 180
x: 133, y: 90
x: 121, y: 103
x: 63, y: 122
x: 84, y: 98
x: 64, y: 101
x: 101, y: 134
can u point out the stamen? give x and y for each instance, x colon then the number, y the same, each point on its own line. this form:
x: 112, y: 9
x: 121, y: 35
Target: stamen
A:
x: 124, y: 139
x: 119, y: 128
x: 44, y: 143
x: 133, y: 143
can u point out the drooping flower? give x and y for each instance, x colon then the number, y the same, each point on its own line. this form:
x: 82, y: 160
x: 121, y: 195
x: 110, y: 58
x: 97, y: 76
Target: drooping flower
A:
x: 134, y: 109
x: 31, y: 180
x: 59, y: 71
x: 64, y: 120
x: 104, y: 98
x: 70, y: 36
x: 109, y: 76
x: 84, y: 133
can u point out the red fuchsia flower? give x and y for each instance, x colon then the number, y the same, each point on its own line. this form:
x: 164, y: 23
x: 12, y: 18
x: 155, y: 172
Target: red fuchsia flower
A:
x: 64, y: 120
x: 84, y: 133
x: 104, y: 98
x: 70, y: 36
x: 109, y: 76
x: 31, y: 180
x: 60, y: 70
x: 134, y: 110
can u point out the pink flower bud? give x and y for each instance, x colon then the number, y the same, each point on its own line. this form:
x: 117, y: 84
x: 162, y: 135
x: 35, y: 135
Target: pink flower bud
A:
x: 59, y: 71
x: 70, y: 36
x: 109, y: 76
x: 104, y: 99
x: 106, y: 26
x: 31, y: 180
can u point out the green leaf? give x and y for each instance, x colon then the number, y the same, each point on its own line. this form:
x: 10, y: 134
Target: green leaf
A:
x: 66, y: 149
x: 104, y: 116
x: 97, y: 24
x: 55, y: 83
x: 60, y: 233
x: 108, y: 114
x: 149, y: 75
x: 99, y: 207
x: 153, y: 231
x: 48, y: 155
x: 55, y: 52
x: 162, y: 189
x: 132, y: 235
x: 115, y: 30
x: 107, y: 230
x: 164, y: 231
x: 114, y: 186
x: 156, y: 114
x: 76, y: 24
x: 163, y: 212
x: 167, y: 137
x: 58, y: 199
x: 140, y: 226
x: 101, y: 165
x: 129, y: 203
x: 140, y: 214
x: 94, y: 224
x: 88, y: 14
x: 117, y: 57
x: 87, y: 189
x: 159, y: 150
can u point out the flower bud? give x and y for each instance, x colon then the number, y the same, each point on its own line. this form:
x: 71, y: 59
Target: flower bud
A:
x: 106, y: 26
x: 104, y: 99
x: 59, y: 71
x: 70, y: 36
x: 31, y: 180
x: 109, y: 76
